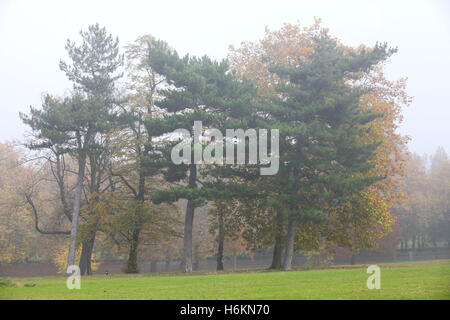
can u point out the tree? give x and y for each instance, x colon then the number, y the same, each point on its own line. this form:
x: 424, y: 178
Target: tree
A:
x: 424, y: 214
x: 75, y: 124
x: 93, y: 70
x: 16, y: 236
x: 439, y: 195
x: 285, y: 46
x: 253, y: 60
x: 320, y: 121
x: 118, y: 214
x: 134, y: 146
x: 202, y: 90
x: 227, y: 224
x: 22, y: 181
x: 412, y: 212
x: 439, y: 158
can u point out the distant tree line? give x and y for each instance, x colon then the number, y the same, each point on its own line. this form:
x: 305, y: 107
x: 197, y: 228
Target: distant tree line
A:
x: 424, y: 217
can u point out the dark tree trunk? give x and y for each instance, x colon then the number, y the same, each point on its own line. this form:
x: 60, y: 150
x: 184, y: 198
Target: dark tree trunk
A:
x: 186, y: 263
x: 353, y: 259
x: 278, y: 247
x: 277, y: 253
x: 220, y: 241
x: 289, y: 249
x: 86, y: 255
x: 131, y: 265
x: 220, y: 256
x: 196, y: 264
x: 413, y: 243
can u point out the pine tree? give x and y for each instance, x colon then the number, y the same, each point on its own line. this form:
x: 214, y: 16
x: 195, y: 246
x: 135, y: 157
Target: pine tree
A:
x: 202, y: 90
x: 78, y: 122
x: 322, y: 160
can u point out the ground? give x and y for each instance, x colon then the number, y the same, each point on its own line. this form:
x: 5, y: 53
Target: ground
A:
x: 405, y: 280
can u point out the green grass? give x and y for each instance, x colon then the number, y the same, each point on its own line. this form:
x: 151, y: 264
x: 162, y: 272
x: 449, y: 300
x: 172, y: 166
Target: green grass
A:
x: 406, y: 280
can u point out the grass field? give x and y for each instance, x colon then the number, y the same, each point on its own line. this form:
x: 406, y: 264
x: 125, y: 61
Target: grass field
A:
x: 406, y: 280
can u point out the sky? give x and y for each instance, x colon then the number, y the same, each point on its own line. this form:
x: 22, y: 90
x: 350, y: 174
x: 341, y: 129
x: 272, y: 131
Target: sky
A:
x: 33, y: 35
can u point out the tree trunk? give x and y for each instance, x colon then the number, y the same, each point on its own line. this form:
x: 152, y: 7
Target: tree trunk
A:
x: 289, y: 249
x: 277, y: 253
x: 86, y: 255
x: 76, y: 211
x: 186, y: 263
x: 220, y: 240
x: 196, y: 264
x: 290, y: 238
x: 413, y: 243
x: 131, y: 264
x: 234, y: 261
x: 278, y: 247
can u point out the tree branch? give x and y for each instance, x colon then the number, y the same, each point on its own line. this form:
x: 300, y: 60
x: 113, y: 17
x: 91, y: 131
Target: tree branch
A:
x: 36, y: 222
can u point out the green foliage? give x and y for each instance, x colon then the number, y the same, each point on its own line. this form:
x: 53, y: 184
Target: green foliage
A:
x: 202, y: 90
x: 94, y: 63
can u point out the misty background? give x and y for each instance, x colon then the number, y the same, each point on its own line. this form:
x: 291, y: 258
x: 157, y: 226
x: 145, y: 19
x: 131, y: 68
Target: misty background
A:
x: 33, y: 35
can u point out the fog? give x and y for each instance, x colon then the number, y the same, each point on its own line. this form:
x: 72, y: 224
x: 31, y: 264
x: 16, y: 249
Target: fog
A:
x: 33, y: 35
